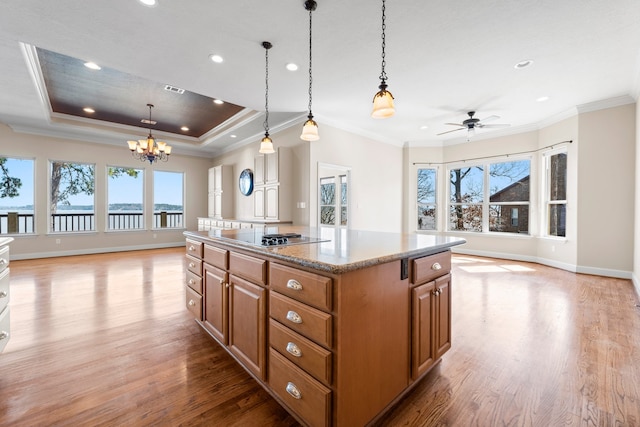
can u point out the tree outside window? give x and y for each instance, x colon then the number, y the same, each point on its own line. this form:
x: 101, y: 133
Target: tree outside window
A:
x: 427, y: 207
x: 72, y: 197
x: 16, y: 196
x: 556, y: 194
x: 328, y: 201
x: 466, y: 197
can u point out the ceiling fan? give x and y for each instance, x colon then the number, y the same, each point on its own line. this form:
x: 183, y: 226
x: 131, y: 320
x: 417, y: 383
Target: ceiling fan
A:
x: 471, y: 124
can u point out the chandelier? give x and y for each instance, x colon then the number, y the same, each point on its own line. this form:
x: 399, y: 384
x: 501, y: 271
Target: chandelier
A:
x: 149, y: 149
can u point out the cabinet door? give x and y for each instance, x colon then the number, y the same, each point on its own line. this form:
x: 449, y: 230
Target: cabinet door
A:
x: 216, y: 302
x: 217, y: 186
x: 212, y: 179
x: 422, y: 351
x: 258, y: 202
x: 247, y: 324
x: 217, y: 205
x: 271, y: 167
x: 271, y: 202
x: 258, y: 170
x: 442, y: 312
x: 211, y: 205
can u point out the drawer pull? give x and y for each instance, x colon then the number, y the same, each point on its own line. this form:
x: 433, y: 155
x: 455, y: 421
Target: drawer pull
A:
x: 293, y: 390
x: 294, y: 317
x: 192, y: 303
x: 294, y: 284
x: 192, y: 282
x: 5, y: 335
x: 294, y: 349
x: 436, y: 266
x: 192, y: 248
x: 192, y: 265
x: 3, y: 261
x: 3, y: 294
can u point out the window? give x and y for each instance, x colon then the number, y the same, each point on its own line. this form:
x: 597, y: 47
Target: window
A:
x: 125, y: 198
x: 16, y: 195
x: 168, y: 199
x: 556, y: 193
x: 343, y: 200
x: 427, y: 199
x: 328, y: 201
x: 72, y: 197
x: 491, y: 197
x: 509, y: 196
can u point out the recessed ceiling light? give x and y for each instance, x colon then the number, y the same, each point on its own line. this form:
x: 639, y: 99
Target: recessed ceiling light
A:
x: 542, y: 99
x: 149, y: 2
x: 292, y: 67
x: 424, y: 127
x: 218, y: 101
x: 233, y: 136
x: 92, y: 65
x: 216, y: 58
x: 523, y: 64
x: 184, y: 129
x: 88, y: 110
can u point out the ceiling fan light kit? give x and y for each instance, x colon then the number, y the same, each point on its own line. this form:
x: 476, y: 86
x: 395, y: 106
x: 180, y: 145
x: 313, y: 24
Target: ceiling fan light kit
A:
x: 472, y: 123
x: 383, y: 106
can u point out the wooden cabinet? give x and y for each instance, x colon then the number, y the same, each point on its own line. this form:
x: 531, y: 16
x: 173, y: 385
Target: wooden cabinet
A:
x: 431, y: 312
x: 5, y: 321
x: 272, y: 196
x: 193, y: 278
x: 216, y: 316
x: 220, y: 199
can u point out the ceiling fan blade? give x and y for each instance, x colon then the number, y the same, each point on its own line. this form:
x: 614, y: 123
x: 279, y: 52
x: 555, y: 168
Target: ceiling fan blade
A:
x: 454, y: 130
x: 490, y: 118
x: 495, y: 126
x: 455, y: 124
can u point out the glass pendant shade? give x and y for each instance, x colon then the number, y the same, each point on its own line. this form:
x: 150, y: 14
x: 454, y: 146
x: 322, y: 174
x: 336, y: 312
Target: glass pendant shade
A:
x: 310, y: 130
x: 383, y: 105
x: 266, y: 145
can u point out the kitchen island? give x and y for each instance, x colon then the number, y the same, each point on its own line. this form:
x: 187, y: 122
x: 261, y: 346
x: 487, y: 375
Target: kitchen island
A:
x: 336, y: 324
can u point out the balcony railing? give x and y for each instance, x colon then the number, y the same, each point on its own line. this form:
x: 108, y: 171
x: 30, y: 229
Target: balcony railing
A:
x: 17, y: 223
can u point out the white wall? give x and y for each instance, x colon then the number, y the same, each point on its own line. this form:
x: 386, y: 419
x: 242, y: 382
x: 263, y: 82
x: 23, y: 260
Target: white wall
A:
x: 636, y: 233
x: 44, y: 149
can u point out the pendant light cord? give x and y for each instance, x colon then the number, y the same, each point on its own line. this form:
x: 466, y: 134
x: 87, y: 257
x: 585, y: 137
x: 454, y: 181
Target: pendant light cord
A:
x: 267, y: 46
x: 383, y: 74
x: 310, y: 56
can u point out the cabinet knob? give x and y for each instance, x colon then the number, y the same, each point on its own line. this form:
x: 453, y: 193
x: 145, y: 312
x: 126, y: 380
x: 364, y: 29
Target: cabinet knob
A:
x: 191, y: 248
x: 191, y: 303
x: 294, y: 284
x: 292, y: 389
x: 436, y: 266
x: 294, y: 317
x: 191, y: 281
x: 4, y: 335
x: 3, y: 261
x: 191, y: 265
x: 3, y: 294
x: 294, y: 349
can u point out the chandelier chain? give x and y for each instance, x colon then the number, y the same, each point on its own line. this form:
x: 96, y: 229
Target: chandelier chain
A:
x: 383, y: 74
x: 310, y: 56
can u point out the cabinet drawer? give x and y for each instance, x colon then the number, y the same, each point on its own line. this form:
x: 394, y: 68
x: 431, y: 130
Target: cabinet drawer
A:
x: 4, y: 289
x: 299, y: 350
x: 250, y: 268
x: 308, y: 321
x: 307, y: 287
x: 194, y: 302
x: 5, y: 320
x: 216, y: 256
x: 194, y: 248
x: 194, y: 282
x: 194, y: 265
x: 4, y: 257
x: 429, y: 267
x: 299, y: 391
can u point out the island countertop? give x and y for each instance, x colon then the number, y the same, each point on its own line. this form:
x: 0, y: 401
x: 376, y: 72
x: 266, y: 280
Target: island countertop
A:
x: 333, y: 250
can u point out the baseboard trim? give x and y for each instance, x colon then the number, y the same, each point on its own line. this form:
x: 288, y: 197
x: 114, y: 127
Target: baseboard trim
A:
x: 36, y: 255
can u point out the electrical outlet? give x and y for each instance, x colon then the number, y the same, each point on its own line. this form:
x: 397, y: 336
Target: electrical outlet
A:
x: 57, y: 241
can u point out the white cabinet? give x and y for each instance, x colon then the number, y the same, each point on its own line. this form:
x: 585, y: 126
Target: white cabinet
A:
x: 273, y: 183
x: 4, y: 292
x: 220, y: 201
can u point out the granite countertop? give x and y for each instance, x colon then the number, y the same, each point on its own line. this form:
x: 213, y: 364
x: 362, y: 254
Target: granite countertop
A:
x: 337, y: 250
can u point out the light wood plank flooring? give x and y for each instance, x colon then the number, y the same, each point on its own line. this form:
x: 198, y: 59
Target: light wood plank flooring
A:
x: 105, y: 340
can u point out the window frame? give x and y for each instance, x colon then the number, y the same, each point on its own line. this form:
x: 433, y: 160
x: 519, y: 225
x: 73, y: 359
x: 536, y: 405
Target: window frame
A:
x: 108, y: 179
x: 546, y: 192
x: 435, y: 204
x: 34, y: 222
x: 50, y: 230
x: 153, y: 201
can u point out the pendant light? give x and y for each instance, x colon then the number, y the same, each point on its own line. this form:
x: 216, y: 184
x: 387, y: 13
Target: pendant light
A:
x: 310, y: 128
x: 383, y: 100
x: 266, y: 145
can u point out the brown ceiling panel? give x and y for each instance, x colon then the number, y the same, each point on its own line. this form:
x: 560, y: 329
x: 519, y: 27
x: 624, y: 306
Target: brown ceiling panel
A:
x: 122, y: 98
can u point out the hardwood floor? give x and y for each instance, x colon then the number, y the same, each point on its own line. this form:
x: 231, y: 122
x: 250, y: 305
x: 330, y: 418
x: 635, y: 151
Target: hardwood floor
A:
x: 104, y: 340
